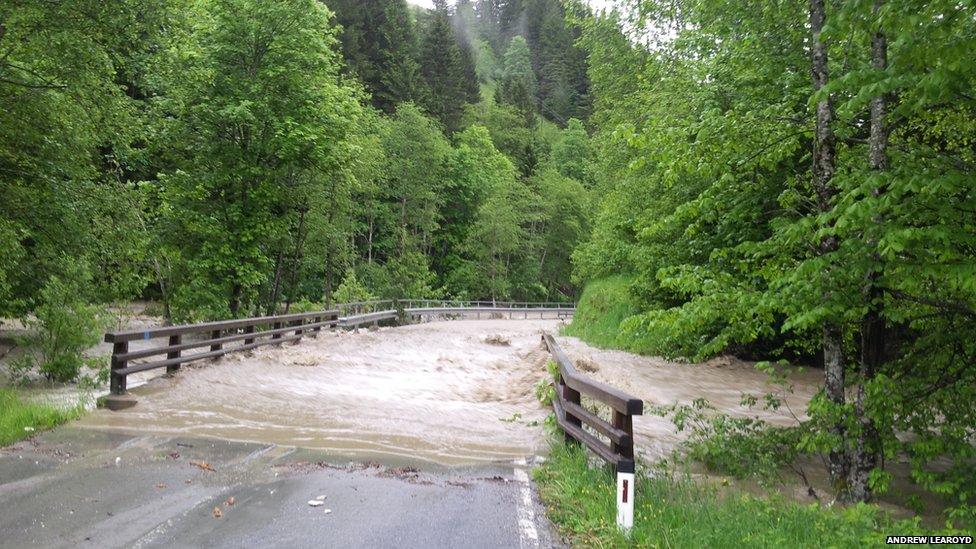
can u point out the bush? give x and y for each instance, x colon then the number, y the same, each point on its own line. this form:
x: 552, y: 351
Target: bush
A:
x: 735, y: 446
x: 352, y: 290
x: 62, y: 327
x: 545, y: 390
x: 605, y: 303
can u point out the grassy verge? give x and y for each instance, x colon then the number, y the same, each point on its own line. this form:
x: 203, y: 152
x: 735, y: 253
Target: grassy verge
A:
x: 20, y: 419
x: 678, y: 512
x: 603, y: 305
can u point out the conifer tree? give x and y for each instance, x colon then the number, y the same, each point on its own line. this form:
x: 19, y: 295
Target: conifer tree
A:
x: 518, y: 83
x: 379, y: 43
x: 447, y: 71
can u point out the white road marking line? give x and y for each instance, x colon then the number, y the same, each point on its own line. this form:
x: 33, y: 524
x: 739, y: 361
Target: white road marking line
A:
x: 528, y: 536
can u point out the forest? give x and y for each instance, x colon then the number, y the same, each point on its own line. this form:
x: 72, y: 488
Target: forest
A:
x: 228, y: 157
x: 789, y: 182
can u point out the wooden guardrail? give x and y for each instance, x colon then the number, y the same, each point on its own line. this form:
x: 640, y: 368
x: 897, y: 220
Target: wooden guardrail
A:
x: 255, y: 332
x: 618, y: 449
x: 250, y: 331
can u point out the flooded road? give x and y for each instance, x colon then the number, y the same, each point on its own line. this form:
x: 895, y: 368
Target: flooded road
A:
x: 447, y: 392
x: 443, y: 392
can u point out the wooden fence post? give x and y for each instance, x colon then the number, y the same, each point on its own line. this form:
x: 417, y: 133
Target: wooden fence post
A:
x: 625, y: 423
x: 216, y: 346
x: 249, y: 330
x: 173, y: 340
x: 117, y: 381
x: 573, y: 396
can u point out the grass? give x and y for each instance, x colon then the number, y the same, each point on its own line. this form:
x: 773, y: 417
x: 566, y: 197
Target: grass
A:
x: 20, y: 418
x: 678, y: 512
x: 604, y: 304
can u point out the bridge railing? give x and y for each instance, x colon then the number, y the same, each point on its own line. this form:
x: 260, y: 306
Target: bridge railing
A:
x: 618, y: 447
x: 442, y: 303
x: 255, y: 332
x: 251, y: 332
x: 354, y: 308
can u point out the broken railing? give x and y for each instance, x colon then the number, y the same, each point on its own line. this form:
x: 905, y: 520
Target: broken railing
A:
x: 210, y: 336
x: 618, y: 447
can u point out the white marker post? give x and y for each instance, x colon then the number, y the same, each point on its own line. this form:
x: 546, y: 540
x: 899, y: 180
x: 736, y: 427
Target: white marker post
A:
x: 625, y: 499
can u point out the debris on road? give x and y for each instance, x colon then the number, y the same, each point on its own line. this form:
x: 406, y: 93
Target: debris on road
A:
x: 203, y: 465
x: 217, y: 513
x: 315, y: 502
x: 161, y: 485
x: 229, y: 501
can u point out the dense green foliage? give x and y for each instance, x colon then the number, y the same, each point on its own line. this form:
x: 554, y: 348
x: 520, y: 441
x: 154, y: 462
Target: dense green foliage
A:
x: 602, y: 306
x: 769, y: 215
x: 674, y: 511
x: 239, y: 157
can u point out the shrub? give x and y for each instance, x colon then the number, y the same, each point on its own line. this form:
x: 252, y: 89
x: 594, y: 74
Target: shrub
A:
x: 742, y: 447
x: 352, y: 290
x: 604, y: 304
x: 61, y: 328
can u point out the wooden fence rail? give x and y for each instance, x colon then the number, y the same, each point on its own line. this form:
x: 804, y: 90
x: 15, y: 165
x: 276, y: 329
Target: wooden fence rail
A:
x: 269, y: 330
x: 618, y: 449
x: 252, y: 332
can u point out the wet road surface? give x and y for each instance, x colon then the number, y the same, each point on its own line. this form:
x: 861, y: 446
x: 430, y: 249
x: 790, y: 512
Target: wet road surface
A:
x: 86, y: 488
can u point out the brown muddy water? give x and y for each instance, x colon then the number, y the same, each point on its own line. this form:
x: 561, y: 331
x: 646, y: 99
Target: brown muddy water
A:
x: 722, y: 381
x: 437, y: 392
x: 444, y: 392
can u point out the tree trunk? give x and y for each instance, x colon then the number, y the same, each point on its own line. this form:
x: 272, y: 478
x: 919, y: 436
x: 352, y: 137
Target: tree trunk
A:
x: 824, y: 155
x: 296, y: 259
x: 275, y: 286
x: 235, y: 299
x: 369, y: 243
x: 866, y: 451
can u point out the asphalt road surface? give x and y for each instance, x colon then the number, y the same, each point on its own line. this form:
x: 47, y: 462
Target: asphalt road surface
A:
x: 88, y: 488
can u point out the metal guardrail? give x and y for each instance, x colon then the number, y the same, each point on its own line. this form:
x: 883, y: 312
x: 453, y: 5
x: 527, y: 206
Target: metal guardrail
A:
x: 368, y: 318
x: 618, y: 449
x: 449, y: 303
x: 560, y: 312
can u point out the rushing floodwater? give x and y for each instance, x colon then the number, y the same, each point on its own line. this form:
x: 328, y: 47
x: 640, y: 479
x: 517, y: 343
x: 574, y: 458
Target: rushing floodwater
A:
x: 433, y: 391
x: 437, y: 391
